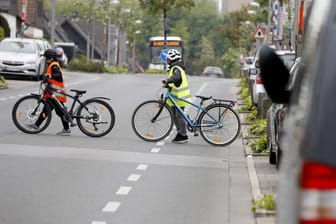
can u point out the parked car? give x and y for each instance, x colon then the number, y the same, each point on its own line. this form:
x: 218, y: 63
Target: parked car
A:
x: 61, y: 57
x: 21, y: 57
x: 275, y: 116
x: 213, y: 71
x: 247, y: 64
x: 306, y: 190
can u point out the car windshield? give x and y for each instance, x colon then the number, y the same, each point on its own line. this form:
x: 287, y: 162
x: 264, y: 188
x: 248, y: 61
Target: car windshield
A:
x: 17, y: 46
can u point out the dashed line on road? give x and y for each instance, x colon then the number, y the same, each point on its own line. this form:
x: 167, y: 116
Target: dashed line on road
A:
x: 142, y: 167
x: 134, y: 177
x: 155, y: 150
x: 111, y: 206
x: 161, y: 143
x: 124, y: 190
x: 98, y: 222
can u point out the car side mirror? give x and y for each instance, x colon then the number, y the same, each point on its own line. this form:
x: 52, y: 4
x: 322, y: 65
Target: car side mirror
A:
x: 274, y: 75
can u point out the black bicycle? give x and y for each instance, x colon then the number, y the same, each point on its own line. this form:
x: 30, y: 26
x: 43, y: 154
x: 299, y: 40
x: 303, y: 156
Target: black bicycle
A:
x: 94, y: 116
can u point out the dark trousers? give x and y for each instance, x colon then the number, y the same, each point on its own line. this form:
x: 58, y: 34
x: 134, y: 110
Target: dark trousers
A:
x: 180, y: 123
x: 53, y: 104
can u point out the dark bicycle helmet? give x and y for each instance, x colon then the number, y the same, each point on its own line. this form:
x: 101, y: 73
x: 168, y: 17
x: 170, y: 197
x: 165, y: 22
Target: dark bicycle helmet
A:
x: 50, y: 53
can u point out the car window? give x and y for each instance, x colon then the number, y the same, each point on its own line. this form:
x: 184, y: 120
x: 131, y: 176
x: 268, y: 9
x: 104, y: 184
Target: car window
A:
x: 17, y: 46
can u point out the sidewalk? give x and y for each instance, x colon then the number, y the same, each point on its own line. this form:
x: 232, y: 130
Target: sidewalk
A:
x: 263, y: 179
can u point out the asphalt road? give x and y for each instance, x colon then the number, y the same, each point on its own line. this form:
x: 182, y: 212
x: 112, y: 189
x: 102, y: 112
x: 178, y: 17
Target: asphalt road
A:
x: 49, y: 179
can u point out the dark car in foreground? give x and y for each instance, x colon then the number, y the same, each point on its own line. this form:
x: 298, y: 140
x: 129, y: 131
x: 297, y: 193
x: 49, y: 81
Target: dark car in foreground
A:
x: 275, y: 116
x: 306, y: 191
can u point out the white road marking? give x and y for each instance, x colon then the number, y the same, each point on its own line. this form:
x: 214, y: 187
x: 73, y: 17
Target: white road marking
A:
x: 142, y: 167
x: 98, y: 222
x: 155, y: 150
x: 133, y: 177
x: 123, y: 190
x: 111, y: 206
x: 161, y: 143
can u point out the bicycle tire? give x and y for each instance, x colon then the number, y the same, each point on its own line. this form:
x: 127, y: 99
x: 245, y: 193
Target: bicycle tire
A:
x: 95, y: 117
x: 227, y: 133
x: 22, y: 114
x: 143, y: 124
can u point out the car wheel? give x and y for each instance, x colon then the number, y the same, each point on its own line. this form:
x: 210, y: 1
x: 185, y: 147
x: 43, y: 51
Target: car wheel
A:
x: 272, y: 155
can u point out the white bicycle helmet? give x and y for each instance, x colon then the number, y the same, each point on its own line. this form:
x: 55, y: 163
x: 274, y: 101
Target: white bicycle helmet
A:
x: 173, y: 55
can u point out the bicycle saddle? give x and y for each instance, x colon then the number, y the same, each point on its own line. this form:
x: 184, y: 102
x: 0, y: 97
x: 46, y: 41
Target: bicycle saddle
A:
x: 79, y: 92
x: 204, y: 97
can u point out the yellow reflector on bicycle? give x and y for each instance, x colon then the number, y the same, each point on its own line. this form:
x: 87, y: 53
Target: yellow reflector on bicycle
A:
x: 101, y: 108
x: 224, y: 111
x: 149, y: 135
x: 20, y: 114
x: 44, y: 115
x: 216, y: 139
x: 157, y: 105
x: 89, y: 128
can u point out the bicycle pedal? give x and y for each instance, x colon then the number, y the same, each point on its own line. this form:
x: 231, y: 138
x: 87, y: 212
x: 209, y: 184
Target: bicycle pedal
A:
x: 73, y: 125
x: 195, y: 134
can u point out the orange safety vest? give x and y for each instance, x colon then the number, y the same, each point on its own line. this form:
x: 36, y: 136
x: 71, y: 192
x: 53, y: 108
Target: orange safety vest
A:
x: 57, y: 88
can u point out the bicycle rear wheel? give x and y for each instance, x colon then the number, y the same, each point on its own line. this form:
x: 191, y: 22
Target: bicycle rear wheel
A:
x: 228, y: 126
x: 152, y: 121
x: 27, y: 110
x: 95, y: 118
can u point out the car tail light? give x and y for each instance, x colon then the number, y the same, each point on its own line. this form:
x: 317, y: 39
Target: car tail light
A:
x: 258, y: 79
x: 318, y: 199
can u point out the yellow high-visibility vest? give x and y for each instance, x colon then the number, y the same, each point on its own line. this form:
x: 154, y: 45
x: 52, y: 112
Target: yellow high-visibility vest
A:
x: 182, y: 91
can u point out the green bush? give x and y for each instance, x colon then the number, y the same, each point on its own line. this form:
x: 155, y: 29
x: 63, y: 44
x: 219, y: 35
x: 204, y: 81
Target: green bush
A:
x: 116, y: 70
x: 80, y: 64
x: 3, y: 82
x: 260, y: 145
x: 266, y: 202
x: 155, y: 71
x: 258, y: 128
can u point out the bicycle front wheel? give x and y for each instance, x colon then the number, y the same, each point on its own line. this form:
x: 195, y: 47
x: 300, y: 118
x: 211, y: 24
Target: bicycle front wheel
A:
x: 152, y: 121
x: 219, y: 125
x: 95, y: 118
x: 27, y: 110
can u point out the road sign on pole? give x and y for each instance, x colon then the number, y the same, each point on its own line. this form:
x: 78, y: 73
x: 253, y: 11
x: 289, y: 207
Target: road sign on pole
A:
x: 259, y: 34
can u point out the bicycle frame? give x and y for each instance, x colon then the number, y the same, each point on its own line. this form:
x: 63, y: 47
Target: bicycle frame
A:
x: 192, y: 122
x: 75, y: 100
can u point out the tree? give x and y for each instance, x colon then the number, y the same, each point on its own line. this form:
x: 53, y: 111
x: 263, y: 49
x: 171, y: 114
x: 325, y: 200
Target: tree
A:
x: 207, y: 52
x: 155, y: 6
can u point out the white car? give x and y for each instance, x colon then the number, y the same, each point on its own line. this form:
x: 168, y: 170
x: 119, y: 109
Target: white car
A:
x: 21, y: 57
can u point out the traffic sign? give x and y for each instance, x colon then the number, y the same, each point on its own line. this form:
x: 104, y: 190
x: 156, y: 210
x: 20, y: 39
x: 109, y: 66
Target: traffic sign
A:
x: 259, y: 34
x: 163, y: 55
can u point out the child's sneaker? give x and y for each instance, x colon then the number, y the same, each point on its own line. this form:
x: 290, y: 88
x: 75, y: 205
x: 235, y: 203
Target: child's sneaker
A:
x: 180, y: 138
x: 64, y: 132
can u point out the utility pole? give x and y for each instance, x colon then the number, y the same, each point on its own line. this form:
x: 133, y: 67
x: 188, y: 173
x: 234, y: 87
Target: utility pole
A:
x: 53, y: 21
